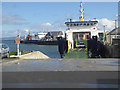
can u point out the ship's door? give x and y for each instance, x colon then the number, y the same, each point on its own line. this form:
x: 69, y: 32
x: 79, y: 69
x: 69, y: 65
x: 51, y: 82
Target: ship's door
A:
x: 80, y: 37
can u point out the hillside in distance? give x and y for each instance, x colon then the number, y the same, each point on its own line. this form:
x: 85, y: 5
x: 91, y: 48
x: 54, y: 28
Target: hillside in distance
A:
x: 10, y: 38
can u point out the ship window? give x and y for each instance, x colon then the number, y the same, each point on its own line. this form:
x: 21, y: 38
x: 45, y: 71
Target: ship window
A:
x: 88, y: 24
x: 92, y: 24
x: 70, y: 24
x: 84, y: 24
x: 74, y: 24
x: 87, y: 36
x: 77, y: 24
x: 80, y: 35
x: 81, y: 24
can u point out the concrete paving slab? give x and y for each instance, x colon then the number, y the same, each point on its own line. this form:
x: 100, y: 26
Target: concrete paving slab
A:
x: 62, y: 65
x: 32, y: 55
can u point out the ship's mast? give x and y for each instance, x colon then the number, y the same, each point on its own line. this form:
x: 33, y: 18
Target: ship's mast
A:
x: 81, y: 17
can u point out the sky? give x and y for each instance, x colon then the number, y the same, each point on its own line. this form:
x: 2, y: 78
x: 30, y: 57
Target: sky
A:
x: 51, y: 16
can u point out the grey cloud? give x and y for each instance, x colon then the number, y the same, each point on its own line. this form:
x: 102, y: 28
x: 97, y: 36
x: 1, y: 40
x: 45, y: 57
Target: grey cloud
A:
x: 13, y: 20
x: 12, y: 33
x: 48, y: 27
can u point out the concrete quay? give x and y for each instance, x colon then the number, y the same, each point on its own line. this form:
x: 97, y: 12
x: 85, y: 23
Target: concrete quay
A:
x: 61, y: 65
x: 32, y: 55
x: 61, y: 73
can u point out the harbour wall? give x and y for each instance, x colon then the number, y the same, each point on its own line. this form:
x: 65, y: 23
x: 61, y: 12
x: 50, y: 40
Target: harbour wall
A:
x: 100, y: 50
x: 111, y: 51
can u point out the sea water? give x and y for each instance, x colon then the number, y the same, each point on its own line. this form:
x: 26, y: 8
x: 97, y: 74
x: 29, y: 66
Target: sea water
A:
x: 49, y: 50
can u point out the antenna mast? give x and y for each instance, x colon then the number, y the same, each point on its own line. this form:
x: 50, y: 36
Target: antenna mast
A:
x: 81, y: 17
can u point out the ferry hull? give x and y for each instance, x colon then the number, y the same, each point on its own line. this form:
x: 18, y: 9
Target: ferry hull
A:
x: 40, y: 42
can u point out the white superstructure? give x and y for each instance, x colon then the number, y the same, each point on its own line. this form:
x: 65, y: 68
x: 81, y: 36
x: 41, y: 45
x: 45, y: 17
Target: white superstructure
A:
x: 81, y: 30
x: 41, y: 35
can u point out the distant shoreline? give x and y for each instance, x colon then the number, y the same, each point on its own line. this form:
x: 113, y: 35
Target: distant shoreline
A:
x: 6, y: 40
x: 9, y: 38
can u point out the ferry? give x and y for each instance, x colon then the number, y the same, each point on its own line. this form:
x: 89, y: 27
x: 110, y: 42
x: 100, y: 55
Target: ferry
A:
x: 38, y: 36
x: 47, y: 38
x: 81, y: 31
